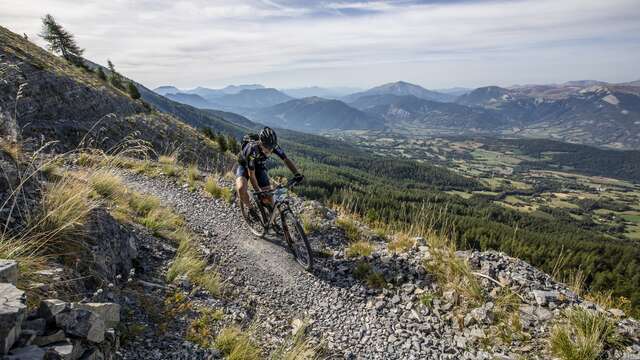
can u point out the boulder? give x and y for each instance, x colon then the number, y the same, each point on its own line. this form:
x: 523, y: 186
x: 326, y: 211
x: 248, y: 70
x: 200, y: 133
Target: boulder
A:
x: 109, y: 312
x: 31, y: 352
x: 49, y: 339
x: 39, y: 325
x: 81, y: 323
x: 67, y: 350
x: 543, y: 298
x: 12, y: 312
x: 50, y: 308
x: 92, y: 354
x: 8, y: 271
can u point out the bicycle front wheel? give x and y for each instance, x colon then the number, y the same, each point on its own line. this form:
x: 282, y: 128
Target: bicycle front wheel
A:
x: 256, y: 226
x: 294, y: 235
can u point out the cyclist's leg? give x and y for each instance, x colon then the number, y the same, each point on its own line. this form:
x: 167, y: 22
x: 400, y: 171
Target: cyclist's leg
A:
x: 263, y: 181
x: 242, y: 185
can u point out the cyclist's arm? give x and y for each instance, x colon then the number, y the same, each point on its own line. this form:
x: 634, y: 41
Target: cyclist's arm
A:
x: 291, y: 165
x: 278, y: 151
x: 254, y: 180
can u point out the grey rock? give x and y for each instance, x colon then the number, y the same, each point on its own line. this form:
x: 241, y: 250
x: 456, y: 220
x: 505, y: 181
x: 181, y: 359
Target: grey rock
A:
x: 92, y: 354
x: 31, y: 352
x: 49, y: 339
x: 543, y: 298
x: 617, y: 313
x: 67, y: 349
x: 8, y: 271
x: 38, y: 325
x: 49, y: 308
x: 12, y: 312
x: 109, y: 312
x: 82, y: 323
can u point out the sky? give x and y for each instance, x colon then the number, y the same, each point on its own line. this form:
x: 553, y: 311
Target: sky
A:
x: 357, y: 43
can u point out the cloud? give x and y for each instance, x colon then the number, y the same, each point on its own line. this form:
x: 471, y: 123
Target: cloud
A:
x: 361, y: 43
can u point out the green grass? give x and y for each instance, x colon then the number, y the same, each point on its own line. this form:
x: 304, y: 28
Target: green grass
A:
x: 201, y: 330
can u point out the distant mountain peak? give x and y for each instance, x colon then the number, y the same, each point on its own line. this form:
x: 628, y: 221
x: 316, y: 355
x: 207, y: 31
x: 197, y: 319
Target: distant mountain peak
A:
x: 403, y: 88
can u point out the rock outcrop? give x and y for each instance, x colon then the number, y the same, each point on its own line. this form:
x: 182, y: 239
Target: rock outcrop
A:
x: 56, y: 329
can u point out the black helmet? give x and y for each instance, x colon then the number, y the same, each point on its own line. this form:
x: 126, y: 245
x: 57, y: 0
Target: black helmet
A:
x: 268, y: 138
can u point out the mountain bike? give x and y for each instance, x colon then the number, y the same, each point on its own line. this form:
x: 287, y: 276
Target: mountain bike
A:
x: 282, y: 219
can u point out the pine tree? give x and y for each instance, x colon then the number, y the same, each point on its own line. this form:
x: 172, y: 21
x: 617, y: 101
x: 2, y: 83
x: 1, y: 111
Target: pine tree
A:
x: 114, y: 78
x: 101, y: 74
x: 222, y: 142
x: 60, y: 41
x: 133, y: 91
x: 234, y: 147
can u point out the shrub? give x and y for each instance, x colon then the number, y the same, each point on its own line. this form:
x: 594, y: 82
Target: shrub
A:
x: 132, y: 89
x: 584, y: 335
x: 360, y: 248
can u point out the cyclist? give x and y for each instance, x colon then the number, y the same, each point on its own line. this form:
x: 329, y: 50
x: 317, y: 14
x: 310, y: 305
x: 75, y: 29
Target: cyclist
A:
x: 251, y: 167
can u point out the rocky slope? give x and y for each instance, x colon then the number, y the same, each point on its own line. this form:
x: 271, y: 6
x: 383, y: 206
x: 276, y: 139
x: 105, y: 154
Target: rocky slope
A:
x: 51, y: 100
x: 352, y: 319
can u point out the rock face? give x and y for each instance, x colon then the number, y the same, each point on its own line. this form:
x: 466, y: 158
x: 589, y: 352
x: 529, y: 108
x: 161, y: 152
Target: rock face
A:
x: 81, y: 323
x: 12, y: 312
x: 111, y: 246
x: 56, y: 101
x: 8, y: 271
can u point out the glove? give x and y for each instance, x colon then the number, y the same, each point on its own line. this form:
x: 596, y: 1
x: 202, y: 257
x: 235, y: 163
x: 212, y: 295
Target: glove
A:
x: 297, y: 178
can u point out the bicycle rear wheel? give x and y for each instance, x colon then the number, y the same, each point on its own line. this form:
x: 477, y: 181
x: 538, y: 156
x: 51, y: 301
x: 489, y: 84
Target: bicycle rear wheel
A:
x: 256, y: 226
x: 294, y: 235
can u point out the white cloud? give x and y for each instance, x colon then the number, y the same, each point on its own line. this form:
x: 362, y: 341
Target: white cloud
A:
x: 200, y: 42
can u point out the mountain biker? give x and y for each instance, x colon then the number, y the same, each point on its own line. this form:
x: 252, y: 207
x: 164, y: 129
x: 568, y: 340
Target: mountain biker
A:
x: 251, y: 167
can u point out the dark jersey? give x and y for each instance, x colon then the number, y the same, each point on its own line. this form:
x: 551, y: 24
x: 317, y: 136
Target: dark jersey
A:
x: 252, y: 156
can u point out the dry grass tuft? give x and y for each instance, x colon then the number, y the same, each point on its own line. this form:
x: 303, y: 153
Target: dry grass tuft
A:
x: 107, y: 184
x: 359, y: 248
x: 401, y: 243
x: 236, y: 344
x: 350, y: 228
x: 211, y: 186
x: 452, y: 272
x: 584, y: 335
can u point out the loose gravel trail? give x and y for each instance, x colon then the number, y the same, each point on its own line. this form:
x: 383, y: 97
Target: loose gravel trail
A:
x: 350, y: 319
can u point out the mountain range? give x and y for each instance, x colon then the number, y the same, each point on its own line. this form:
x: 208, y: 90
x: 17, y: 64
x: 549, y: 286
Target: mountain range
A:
x: 586, y: 111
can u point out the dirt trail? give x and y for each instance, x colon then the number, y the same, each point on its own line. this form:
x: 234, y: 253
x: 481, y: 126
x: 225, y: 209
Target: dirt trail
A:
x: 352, y: 320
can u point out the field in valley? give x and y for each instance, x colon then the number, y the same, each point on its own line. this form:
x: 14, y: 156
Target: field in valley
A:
x: 522, y: 180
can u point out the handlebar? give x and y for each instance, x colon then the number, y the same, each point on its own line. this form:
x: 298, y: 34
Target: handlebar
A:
x: 290, y: 183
